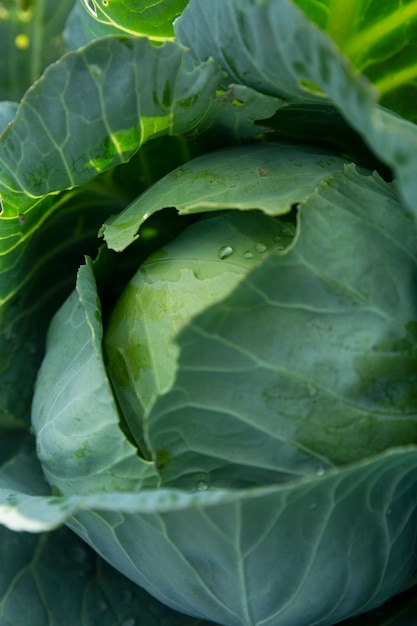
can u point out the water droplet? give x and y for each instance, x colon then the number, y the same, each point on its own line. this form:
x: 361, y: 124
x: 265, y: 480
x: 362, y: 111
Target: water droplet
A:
x: 129, y: 622
x: 276, y: 238
x: 91, y: 7
x: 22, y: 219
x: 260, y: 247
x: 225, y: 252
x: 105, y: 3
x: 313, y: 506
x: 320, y: 471
x: 248, y: 254
x: 202, y: 483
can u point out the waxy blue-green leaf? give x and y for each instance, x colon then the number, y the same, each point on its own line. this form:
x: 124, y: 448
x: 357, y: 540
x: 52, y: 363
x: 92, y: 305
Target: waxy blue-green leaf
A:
x: 255, y: 392
x: 57, y: 579
x: 268, y: 177
x: 153, y: 18
x: 272, y: 46
x: 368, y: 508
x: 74, y: 408
x: 318, y: 517
x: 379, y: 39
x: 309, y: 538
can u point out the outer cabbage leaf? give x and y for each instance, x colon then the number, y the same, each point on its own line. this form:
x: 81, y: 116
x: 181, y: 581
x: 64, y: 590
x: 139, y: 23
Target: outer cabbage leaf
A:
x: 56, y: 579
x: 65, y: 396
x: 272, y: 47
x: 379, y: 38
x: 309, y: 537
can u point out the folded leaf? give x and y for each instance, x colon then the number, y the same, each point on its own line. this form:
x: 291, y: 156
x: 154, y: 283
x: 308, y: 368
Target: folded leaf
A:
x: 74, y: 408
x: 268, y: 177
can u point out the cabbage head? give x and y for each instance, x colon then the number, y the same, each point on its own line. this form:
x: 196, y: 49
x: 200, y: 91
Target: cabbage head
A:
x: 253, y: 385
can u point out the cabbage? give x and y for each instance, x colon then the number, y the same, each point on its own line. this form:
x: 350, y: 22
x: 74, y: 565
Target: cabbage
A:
x: 208, y: 342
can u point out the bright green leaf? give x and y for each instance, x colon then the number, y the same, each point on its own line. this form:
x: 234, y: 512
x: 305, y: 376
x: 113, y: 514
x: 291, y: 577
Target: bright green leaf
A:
x: 138, y: 17
x: 379, y: 39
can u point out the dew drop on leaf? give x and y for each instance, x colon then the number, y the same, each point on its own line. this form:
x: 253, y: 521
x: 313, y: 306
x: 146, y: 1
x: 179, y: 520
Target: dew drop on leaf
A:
x: 225, y: 252
x: 260, y: 247
x: 248, y: 254
x: 202, y: 483
x: 320, y: 471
